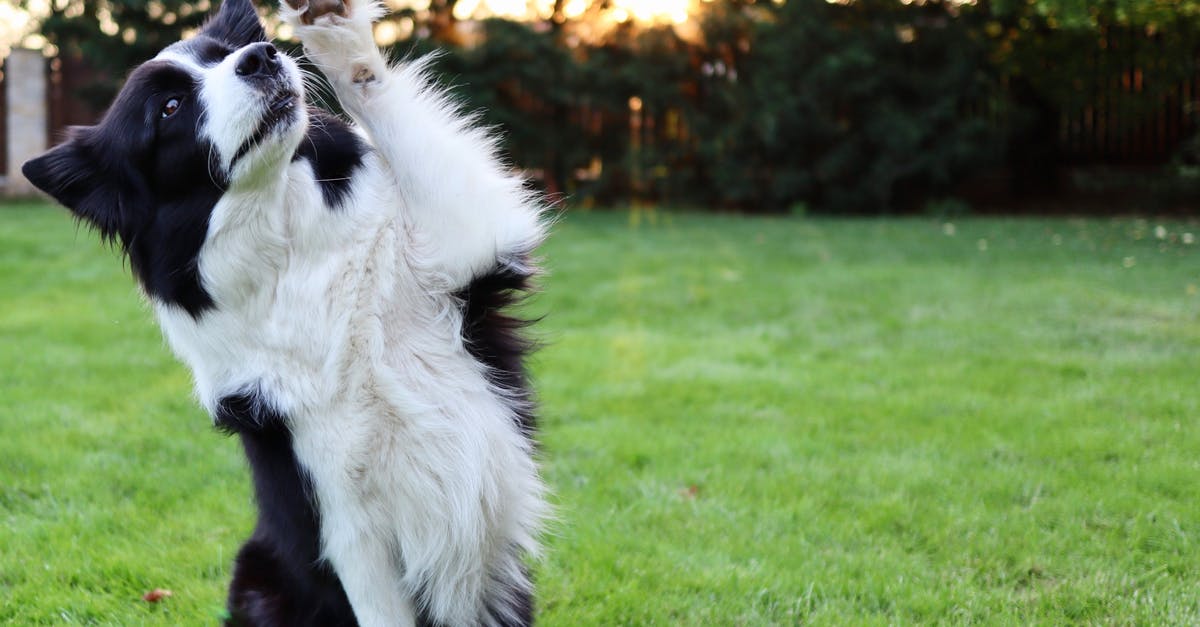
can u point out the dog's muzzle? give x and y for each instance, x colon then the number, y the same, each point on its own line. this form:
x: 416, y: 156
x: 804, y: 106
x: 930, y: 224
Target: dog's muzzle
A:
x: 259, y: 62
x: 260, y: 66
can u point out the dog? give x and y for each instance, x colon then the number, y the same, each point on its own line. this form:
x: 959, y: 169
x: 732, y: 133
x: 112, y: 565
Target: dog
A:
x: 341, y: 293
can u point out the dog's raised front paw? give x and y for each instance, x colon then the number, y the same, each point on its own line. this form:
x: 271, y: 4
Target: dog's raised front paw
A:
x: 310, y: 10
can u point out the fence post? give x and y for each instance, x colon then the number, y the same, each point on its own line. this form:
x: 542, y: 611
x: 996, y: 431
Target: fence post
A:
x: 25, y: 91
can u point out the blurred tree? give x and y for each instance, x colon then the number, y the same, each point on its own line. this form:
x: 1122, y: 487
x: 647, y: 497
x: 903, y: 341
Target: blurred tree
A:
x: 643, y: 77
x: 523, y: 80
x: 114, y: 35
x: 851, y: 108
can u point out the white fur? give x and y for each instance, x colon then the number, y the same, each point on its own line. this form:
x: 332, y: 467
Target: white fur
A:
x: 347, y: 319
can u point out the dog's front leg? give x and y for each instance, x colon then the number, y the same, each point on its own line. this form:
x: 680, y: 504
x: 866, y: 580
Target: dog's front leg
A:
x: 466, y: 211
x: 368, y: 573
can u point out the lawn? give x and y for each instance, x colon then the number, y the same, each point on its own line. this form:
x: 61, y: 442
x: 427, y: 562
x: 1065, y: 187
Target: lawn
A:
x: 745, y: 421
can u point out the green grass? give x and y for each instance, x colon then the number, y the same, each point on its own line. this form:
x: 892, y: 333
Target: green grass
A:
x: 745, y: 421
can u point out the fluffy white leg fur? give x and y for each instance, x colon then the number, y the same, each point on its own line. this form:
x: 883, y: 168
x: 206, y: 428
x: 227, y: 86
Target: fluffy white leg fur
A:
x: 427, y: 490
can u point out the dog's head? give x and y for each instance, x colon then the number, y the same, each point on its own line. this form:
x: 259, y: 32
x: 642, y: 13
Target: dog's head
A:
x: 223, y: 110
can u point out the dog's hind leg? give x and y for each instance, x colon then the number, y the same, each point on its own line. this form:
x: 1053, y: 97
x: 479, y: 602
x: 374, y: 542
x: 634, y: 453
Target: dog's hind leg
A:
x: 467, y: 212
x: 272, y: 590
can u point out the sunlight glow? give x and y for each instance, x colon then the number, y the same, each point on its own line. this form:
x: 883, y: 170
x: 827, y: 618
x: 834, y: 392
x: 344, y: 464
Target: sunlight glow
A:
x: 464, y: 9
x: 574, y: 8
x: 284, y: 31
x: 644, y: 12
x: 386, y: 33
x: 18, y: 25
x: 507, y: 8
x: 655, y: 11
x: 108, y: 26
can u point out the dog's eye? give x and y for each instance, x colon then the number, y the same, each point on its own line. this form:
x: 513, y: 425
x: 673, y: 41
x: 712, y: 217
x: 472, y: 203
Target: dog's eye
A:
x: 170, y: 107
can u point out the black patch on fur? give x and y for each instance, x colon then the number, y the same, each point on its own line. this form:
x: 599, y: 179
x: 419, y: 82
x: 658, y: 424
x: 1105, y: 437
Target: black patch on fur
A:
x: 334, y: 151
x: 278, y: 577
x: 493, y: 335
x: 236, y: 24
x: 247, y: 412
x: 515, y: 607
x: 520, y: 610
x: 144, y: 181
x: 205, y: 49
x: 424, y: 620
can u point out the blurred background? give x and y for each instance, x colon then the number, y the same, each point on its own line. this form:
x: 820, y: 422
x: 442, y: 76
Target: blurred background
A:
x: 822, y: 106
x: 757, y: 408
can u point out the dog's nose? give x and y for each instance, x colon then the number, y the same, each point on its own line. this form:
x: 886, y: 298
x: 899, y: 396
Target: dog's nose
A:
x: 258, y: 60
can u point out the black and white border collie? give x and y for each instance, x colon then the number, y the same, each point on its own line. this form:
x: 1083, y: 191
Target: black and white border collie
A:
x: 339, y: 293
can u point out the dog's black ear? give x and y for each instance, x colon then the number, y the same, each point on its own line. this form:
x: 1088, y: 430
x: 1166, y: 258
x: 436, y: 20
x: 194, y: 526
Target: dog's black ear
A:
x: 72, y: 174
x: 236, y: 24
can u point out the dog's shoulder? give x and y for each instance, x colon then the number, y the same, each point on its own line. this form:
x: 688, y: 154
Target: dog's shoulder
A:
x: 335, y: 151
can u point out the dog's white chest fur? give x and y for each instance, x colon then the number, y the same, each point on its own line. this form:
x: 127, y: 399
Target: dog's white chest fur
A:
x: 422, y: 481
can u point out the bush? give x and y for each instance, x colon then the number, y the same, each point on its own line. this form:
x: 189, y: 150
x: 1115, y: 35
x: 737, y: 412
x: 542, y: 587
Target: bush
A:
x: 852, y: 109
x: 846, y: 109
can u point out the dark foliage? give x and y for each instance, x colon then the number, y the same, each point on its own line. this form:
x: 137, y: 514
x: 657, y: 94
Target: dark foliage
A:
x: 869, y: 106
x: 851, y: 109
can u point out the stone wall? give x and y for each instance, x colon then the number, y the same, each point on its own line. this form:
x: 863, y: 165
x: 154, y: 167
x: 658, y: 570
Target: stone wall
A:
x: 25, y: 90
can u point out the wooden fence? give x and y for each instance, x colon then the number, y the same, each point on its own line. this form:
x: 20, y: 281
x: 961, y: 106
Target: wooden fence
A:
x: 1140, y: 108
x: 68, y: 77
